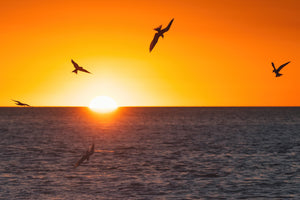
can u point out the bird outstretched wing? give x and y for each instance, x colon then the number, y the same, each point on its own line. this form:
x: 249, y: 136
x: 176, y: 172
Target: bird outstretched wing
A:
x: 168, y: 27
x: 273, y: 66
x: 83, y: 158
x: 154, y: 41
x: 279, y: 68
x: 74, y: 63
x: 84, y: 70
x: 16, y: 101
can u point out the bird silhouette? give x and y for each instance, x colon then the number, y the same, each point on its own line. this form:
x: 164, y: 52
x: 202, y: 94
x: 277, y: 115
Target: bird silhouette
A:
x: 86, y: 156
x: 20, y: 103
x: 276, y: 71
x: 160, y: 32
x: 78, y: 68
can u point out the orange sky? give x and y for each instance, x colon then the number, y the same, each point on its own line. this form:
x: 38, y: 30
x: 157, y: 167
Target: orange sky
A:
x: 217, y: 53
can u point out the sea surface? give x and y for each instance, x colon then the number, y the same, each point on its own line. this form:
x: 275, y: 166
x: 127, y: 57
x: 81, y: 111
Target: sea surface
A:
x: 150, y: 153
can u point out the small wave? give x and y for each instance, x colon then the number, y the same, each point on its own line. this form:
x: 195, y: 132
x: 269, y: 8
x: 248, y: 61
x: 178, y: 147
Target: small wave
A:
x: 106, y: 151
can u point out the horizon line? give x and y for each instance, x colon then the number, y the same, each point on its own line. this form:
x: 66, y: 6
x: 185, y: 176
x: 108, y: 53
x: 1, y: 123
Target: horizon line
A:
x: 153, y: 106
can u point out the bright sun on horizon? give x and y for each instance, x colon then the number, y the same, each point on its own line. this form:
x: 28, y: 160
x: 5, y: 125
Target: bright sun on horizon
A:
x: 103, y: 104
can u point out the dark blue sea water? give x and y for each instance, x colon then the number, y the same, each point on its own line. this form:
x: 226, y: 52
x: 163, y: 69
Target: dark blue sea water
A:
x: 150, y: 153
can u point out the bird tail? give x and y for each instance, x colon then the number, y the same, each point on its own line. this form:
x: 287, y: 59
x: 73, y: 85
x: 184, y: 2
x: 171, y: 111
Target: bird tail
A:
x: 278, y: 74
x: 75, y: 71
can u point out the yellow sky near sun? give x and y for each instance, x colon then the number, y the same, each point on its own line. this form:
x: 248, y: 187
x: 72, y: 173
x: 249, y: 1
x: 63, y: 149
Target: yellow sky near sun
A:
x: 217, y: 53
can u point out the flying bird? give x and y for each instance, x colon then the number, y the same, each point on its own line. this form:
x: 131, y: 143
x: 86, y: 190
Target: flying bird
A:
x: 160, y: 32
x: 78, y: 68
x: 86, y: 156
x: 20, y: 103
x: 276, y: 71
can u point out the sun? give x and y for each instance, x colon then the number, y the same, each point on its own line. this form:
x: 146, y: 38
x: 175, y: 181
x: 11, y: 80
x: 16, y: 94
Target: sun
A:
x: 103, y: 104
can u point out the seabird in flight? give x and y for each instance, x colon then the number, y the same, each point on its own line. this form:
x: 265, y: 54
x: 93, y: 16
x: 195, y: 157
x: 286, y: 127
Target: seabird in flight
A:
x: 20, y: 103
x: 78, y: 68
x: 86, y: 156
x: 276, y: 71
x: 160, y: 32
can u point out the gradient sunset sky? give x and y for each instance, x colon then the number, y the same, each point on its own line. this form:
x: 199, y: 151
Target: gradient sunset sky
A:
x: 216, y: 53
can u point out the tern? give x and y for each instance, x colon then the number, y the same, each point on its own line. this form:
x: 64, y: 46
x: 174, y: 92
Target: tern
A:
x: 78, y: 68
x: 86, y: 156
x: 276, y: 71
x: 20, y: 103
x: 160, y: 32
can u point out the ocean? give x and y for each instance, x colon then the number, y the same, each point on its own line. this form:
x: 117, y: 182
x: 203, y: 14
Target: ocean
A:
x: 150, y: 153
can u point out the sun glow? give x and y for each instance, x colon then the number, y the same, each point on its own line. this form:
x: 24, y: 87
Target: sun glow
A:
x: 103, y: 104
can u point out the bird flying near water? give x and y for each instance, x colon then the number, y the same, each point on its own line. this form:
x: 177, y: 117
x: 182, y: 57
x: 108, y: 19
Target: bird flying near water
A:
x: 276, y: 71
x: 86, y: 156
x: 20, y: 103
x: 78, y: 68
x: 160, y: 32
